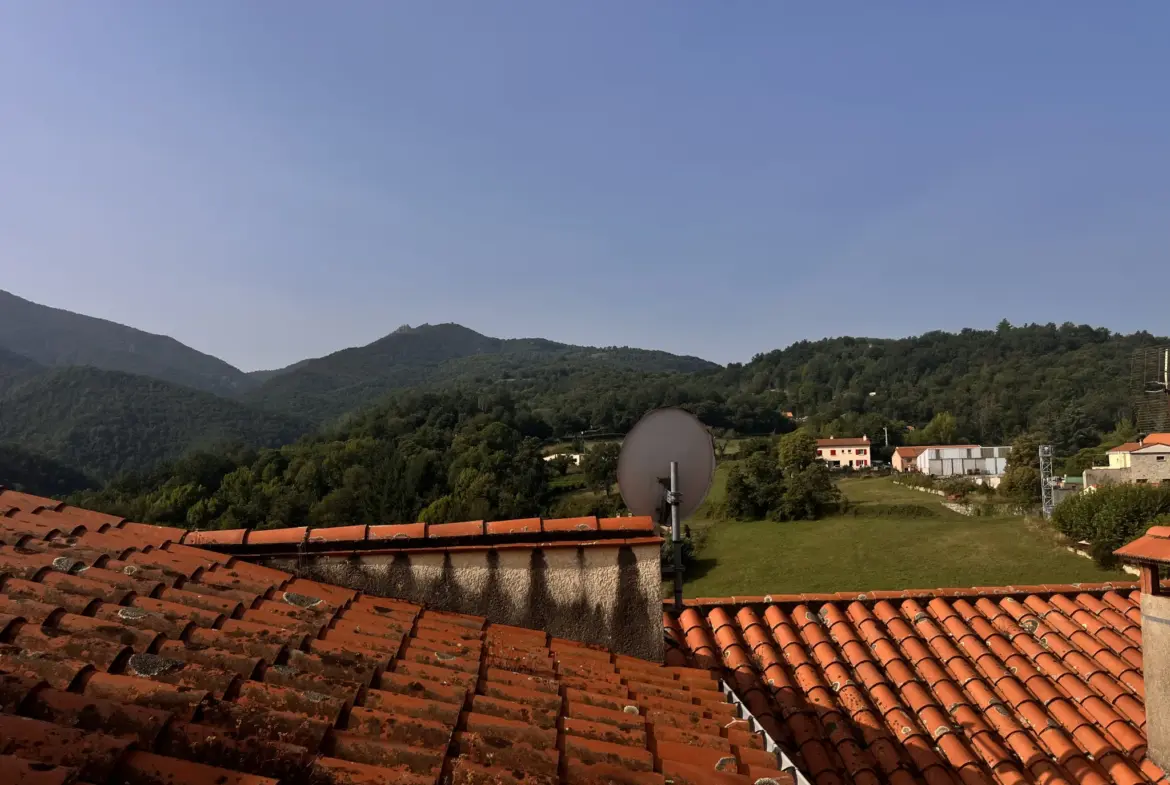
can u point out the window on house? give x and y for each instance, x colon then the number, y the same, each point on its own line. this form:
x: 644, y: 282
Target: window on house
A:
x: 820, y: 452
x: 1140, y: 482
x: 832, y: 452
x: 1161, y: 457
x: 861, y: 451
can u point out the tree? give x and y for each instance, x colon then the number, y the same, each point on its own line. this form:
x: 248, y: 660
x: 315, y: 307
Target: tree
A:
x: 785, y: 484
x: 798, y: 451
x: 754, y: 486
x: 560, y: 464
x: 1021, y: 480
x: 600, y: 466
x: 943, y: 428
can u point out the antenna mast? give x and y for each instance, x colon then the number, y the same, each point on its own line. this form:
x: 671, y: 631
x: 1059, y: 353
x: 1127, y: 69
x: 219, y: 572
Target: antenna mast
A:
x: 674, y: 499
x: 1047, y: 502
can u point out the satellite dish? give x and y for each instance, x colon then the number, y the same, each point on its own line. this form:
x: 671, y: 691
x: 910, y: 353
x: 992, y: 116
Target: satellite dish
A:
x: 643, y: 472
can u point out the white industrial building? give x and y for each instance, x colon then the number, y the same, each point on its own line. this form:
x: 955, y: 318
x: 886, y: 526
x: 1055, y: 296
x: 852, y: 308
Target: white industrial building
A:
x: 963, y: 461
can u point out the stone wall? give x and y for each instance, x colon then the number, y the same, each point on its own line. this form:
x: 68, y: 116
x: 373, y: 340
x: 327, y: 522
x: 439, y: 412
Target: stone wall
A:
x: 1142, y: 467
x: 1156, y: 659
x: 608, y: 594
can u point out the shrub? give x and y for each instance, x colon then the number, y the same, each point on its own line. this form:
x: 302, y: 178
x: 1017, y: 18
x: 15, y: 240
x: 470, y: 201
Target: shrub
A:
x: 691, y: 544
x: 1111, y: 516
x: 916, y: 480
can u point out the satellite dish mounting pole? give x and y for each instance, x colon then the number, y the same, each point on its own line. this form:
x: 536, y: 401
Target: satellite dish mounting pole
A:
x: 674, y: 498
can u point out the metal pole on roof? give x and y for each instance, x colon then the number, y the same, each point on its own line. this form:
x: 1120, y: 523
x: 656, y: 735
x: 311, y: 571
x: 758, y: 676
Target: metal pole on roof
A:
x: 674, y: 498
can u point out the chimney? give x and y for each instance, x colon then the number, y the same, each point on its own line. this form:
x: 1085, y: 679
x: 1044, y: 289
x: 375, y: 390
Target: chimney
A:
x: 1150, y: 553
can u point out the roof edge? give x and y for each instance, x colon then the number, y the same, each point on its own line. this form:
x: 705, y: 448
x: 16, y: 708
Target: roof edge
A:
x: 974, y: 592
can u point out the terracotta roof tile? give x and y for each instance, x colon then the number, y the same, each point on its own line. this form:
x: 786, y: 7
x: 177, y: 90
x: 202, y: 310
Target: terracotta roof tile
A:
x: 848, y: 441
x: 1153, y: 547
x: 126, y: 656
x: 464, y: 529
x: 386, y: 537
x: 968, y: 685
x: 639, y: 523
x: 397, y: 531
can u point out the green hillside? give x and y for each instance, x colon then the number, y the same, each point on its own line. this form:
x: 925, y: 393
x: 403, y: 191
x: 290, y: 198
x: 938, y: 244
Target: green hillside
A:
x: 997, y: 383
x: 55, y: 337
x: 106, y: 422
x: 30, y: 472
x: 439, y: 355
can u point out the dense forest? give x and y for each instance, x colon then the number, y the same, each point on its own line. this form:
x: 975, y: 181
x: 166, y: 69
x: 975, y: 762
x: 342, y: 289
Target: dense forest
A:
x: 27, y: 471
x: 434, y: 457
x: 442, y: 355
x: 1067, y: 384
x: 105, y: 423
x: 1070, y: 381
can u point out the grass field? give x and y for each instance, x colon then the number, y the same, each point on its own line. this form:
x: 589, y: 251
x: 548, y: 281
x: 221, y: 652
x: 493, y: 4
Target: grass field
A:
x: 859, y: 552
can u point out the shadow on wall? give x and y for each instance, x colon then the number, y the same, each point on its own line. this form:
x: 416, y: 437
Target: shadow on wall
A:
x: 605, y: 595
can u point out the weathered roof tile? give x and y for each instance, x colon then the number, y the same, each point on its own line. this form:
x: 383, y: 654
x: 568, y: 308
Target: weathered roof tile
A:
x: 128, y: 657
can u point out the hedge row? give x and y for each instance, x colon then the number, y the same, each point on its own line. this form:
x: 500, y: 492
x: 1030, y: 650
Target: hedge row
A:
x: 1111, y: 516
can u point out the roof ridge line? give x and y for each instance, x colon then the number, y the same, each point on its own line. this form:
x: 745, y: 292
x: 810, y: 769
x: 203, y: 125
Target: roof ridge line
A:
x: 908, y: 594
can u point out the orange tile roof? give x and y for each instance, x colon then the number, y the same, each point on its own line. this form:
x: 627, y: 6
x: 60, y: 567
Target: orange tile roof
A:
x: 845, y: 442
x: 127, y: 656
x: 1156, y: 438
x: 423, y: 535
x: 987, y: 685
x: 1127, y: 447
x: 1153, y: 547
x: 909, y: 452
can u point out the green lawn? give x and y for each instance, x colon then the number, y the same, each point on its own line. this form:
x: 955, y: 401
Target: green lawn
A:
x: 855, y: 553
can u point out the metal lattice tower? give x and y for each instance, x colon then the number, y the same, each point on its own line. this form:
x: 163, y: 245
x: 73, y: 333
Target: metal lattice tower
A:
x: 1046, y: 480
x: 1150, y: 389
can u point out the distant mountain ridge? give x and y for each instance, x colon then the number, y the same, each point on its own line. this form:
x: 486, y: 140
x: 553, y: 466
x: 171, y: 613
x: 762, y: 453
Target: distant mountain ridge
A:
x: 105, y: 399
x: 326, y: 387
x: 58, y: 338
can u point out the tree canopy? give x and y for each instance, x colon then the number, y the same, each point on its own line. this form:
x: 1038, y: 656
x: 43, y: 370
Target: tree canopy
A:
x: 784, y: 482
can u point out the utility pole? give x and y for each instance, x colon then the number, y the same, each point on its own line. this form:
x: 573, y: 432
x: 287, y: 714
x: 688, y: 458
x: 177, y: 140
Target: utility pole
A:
x: 886, y: 431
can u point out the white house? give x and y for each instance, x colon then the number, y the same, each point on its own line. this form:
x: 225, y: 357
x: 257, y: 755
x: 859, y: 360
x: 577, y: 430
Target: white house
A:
x: 963, y: 461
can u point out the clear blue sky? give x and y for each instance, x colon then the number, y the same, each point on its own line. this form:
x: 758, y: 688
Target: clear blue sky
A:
x: 272, y: 180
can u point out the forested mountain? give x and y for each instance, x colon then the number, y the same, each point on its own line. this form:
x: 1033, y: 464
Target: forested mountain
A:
x: 434, y: 457
x: 105, y: 422
x: 471, y: 450
x: 445, y: 354
x: 54, y: 337
x: 15, y: 368
x: 1069, y: 383
x: 30, y: 472
x: 997, y: 383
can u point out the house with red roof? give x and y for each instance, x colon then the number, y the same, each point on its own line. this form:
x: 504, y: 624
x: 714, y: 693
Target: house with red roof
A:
x: 1146, y: 460
x: 846, y: 452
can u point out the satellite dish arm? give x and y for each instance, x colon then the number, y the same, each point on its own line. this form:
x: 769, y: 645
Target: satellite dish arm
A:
x: 674, y: 499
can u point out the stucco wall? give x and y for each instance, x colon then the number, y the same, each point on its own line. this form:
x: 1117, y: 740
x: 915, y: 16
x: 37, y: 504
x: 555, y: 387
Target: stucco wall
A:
x: 604, y: 594
x: 1156, y: 659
